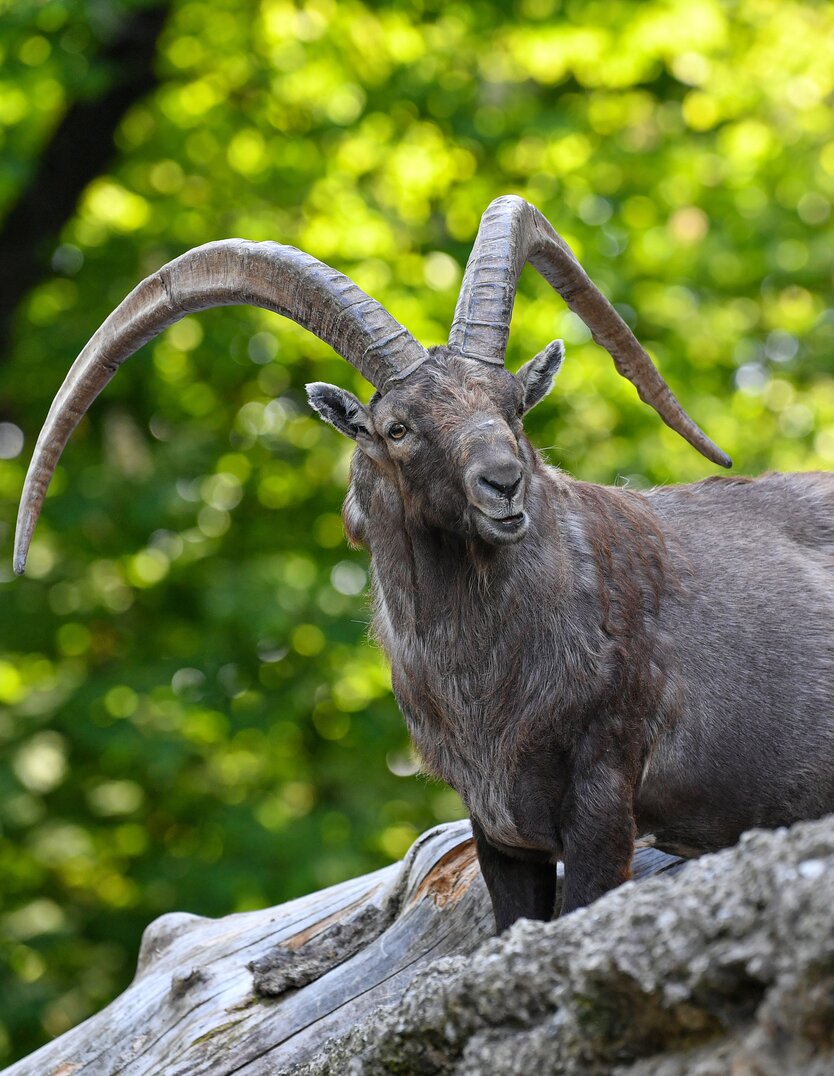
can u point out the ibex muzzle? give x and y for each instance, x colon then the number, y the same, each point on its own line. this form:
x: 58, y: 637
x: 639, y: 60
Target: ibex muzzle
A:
x: 495, y: 481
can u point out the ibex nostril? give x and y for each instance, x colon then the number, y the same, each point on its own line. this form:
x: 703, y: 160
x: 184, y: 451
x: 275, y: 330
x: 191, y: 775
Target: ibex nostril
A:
x: 506, y: 485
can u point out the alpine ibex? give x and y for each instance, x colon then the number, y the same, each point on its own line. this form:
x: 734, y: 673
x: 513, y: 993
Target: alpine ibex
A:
x: 582, y: 663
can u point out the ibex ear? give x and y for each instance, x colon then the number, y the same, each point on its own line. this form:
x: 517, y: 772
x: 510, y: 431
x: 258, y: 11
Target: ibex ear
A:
x: 340, y: 408
x: 537, y: 375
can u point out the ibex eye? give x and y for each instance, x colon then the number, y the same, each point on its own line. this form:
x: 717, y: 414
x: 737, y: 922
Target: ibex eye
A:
x: 397, y: 431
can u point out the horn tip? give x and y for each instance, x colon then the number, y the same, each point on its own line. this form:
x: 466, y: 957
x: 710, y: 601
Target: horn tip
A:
x: 22, y: 538
x: 715, y: 455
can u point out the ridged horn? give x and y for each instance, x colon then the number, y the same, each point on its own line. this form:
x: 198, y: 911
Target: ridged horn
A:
x: 512, y: 233
x: 227, y: 273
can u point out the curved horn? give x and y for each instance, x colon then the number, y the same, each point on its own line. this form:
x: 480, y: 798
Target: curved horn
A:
x: 226, y: 273
x: 513, y: 232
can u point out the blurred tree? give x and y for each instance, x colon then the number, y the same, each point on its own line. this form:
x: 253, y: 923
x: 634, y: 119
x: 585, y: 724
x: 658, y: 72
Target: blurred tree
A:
x: 192, y: 716
x: 78, y: 150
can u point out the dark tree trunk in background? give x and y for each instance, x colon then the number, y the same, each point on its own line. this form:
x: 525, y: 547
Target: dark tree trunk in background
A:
x: 79, y: 150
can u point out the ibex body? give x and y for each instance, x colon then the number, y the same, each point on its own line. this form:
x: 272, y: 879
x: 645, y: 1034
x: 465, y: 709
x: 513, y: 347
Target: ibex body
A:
x: 612, y: 663
x: 581, y: 663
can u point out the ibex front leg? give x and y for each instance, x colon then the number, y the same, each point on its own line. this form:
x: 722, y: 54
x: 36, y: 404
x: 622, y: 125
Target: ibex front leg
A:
x: 598, y: 830
x: 518, y: 887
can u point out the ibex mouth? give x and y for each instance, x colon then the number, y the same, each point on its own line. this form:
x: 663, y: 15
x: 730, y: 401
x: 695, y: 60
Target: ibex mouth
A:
x: 501, y: 530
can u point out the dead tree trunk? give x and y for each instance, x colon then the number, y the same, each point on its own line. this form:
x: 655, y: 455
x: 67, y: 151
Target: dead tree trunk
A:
x: 261, y: 992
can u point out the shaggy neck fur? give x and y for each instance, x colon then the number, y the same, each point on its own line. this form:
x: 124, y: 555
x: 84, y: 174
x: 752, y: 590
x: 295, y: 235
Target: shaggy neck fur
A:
x: 500, y: 652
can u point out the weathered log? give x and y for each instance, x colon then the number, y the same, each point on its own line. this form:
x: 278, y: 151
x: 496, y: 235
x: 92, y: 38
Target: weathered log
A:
x: 262, y: 992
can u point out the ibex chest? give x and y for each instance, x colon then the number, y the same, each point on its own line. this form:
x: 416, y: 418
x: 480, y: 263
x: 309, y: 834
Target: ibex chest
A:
x: 480, y: 666
x: 479, y: 736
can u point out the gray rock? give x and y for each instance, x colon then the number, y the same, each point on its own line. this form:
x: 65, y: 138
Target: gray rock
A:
x: 727, y: 967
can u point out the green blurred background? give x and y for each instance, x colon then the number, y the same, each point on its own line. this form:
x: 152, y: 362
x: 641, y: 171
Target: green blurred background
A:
x: 192, y: 716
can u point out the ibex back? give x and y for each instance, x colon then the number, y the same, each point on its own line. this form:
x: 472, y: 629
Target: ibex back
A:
x: 582, y: 663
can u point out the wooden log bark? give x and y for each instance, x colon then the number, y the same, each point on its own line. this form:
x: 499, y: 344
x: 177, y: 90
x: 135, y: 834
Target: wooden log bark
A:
x: 261, y: 992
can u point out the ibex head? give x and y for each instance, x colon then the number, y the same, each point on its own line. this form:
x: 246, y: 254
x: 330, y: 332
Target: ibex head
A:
x: 462, y: 380
x: 449, y: 437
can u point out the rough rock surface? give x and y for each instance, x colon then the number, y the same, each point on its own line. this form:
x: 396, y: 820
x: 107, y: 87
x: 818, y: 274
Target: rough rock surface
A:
x: 727, y: 968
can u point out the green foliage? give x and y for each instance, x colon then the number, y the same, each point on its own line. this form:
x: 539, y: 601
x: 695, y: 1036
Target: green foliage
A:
x: 192, y: 716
